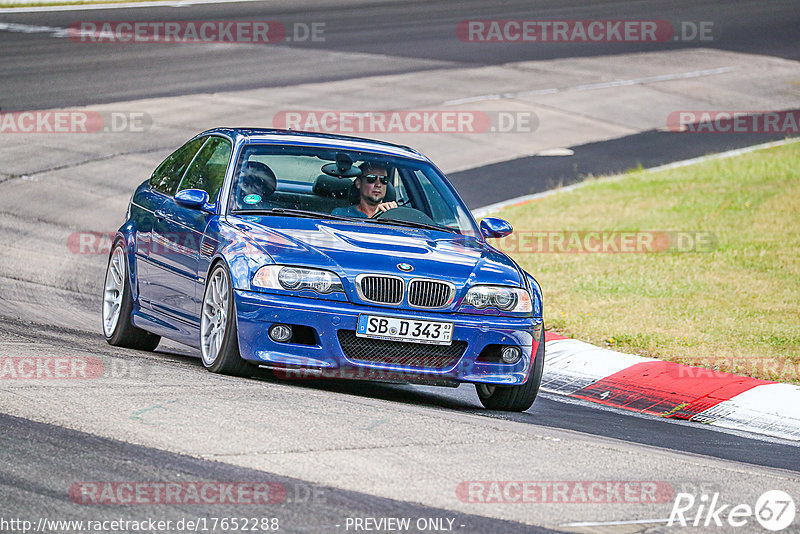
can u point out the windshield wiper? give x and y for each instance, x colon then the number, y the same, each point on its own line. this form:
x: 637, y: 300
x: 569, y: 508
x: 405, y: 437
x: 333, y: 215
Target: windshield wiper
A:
x: 293, y: 213
x: 414, y: 224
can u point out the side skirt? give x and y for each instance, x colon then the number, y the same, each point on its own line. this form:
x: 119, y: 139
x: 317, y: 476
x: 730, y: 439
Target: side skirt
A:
x: 168, y: 327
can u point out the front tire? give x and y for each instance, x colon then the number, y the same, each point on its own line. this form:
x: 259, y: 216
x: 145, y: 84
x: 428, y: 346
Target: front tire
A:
x: 515, y: 398
x: 118, y: 328
x: 219, y: 340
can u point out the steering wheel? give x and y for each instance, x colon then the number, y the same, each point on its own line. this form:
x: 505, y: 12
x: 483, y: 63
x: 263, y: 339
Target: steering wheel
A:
x: 404, y: 213
x: 400, y: 204
x: 381, y: 214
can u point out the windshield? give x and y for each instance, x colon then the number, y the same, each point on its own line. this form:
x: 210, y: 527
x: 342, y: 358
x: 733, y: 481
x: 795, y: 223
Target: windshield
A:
x: 346, y: 184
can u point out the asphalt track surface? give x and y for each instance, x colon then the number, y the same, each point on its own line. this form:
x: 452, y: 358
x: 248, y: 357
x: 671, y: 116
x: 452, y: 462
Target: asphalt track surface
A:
x: 39, y: 71
x: 643, y: 150
x: 41, y: 462
x: 30, y: 484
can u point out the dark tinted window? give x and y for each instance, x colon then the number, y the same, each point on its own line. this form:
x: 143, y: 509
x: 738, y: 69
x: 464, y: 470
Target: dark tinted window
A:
x: 168, y: 175
x: 207, y: 171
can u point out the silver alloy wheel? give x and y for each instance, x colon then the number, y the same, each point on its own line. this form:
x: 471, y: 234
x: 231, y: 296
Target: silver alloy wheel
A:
x: 114, y: 287
x: 214, y: 316
x: 486, y: 390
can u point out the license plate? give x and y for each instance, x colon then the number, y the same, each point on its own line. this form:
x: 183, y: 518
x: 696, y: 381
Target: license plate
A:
x: 411, y: 330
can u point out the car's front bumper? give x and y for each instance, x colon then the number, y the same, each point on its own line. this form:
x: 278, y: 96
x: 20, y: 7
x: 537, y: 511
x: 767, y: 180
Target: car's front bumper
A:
x: 256, y: 312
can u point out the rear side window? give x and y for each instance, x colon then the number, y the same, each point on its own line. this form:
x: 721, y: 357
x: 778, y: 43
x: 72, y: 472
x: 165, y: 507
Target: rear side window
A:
x: 168, y: 175
x: 207, y: 171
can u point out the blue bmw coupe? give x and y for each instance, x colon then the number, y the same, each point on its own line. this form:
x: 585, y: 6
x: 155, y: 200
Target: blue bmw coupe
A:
x: 325, y: 256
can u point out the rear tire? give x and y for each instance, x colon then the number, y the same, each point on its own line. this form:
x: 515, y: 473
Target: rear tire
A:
x: 118, y: 328
x: 515, y: 398
x: 219, y: 339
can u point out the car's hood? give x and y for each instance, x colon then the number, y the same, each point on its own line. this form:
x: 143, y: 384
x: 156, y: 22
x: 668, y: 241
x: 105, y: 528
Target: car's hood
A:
x: 352, y: 248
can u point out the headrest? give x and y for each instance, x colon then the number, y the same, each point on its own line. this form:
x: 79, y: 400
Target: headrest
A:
x: 256, y: 183
x: 257, y: 169
x: 328, y: 186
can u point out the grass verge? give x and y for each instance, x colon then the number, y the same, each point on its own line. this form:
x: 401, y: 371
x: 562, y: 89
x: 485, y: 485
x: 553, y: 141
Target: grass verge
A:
x: 730, y: 304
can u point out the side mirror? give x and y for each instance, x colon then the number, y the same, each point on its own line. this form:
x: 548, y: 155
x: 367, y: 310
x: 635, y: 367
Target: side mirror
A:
x: 492, y: 227
x: 196, y: 199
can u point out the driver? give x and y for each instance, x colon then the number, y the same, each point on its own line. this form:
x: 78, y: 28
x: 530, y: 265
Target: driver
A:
x: 372, y: 186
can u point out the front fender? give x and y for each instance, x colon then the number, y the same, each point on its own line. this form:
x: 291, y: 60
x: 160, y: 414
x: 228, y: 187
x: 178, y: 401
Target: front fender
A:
x: 241, y: 255
x: 127, y: 236
x: 536, y: 292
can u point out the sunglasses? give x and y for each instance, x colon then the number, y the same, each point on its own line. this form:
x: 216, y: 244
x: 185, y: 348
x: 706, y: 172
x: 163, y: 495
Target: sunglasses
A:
x: 371, y: 178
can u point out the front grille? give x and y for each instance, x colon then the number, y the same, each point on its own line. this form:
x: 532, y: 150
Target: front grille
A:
x: 381, y: 289
x: 400, y: 353
x: 430, y: 294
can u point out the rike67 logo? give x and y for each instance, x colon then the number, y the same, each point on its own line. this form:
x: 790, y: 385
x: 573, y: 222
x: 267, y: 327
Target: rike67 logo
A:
x: 774, y: 511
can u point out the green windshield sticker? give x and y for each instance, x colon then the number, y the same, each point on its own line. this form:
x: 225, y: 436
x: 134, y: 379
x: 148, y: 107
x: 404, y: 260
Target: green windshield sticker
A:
x: 252, y: 199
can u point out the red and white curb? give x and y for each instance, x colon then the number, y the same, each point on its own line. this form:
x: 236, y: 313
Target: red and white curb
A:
x: 583, y: 371
x: 671, y: 390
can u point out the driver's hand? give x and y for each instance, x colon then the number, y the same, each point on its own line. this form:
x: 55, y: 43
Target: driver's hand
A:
x: 386, y: 206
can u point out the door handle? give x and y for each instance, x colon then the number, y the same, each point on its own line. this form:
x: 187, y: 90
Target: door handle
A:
x: 160, y: 214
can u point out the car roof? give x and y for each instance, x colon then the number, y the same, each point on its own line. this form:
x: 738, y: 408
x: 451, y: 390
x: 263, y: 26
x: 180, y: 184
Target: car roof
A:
x: 296, y: 137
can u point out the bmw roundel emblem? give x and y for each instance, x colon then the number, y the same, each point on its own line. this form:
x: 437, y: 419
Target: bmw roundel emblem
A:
x: 405, y: 267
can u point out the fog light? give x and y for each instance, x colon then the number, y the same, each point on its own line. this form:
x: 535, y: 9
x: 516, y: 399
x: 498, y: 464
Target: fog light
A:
x: 280, y: 332
x: 511, y: 354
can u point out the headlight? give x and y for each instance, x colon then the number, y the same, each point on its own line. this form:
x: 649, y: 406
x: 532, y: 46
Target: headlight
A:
x: 297, y: 279
x: 507, y: 299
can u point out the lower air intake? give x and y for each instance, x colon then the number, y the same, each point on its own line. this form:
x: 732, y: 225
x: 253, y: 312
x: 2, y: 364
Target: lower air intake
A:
x: 400, y: 353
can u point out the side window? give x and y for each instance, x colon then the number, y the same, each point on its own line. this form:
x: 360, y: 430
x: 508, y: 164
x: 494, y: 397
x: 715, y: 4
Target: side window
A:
x: 168, y: 175
x: 207, y: 171
x: 441, y: 211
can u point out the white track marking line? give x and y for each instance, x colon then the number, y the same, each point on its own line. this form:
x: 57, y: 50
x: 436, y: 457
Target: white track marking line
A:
x: 593, y: 86
x: 615, y: 523
x: 556, y: 152
x: 27, y: 28
x: 124, y: 5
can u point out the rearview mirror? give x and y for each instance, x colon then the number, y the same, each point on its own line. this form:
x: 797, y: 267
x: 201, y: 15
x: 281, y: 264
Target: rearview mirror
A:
x: 196, y: 199
x: 492, y: 227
